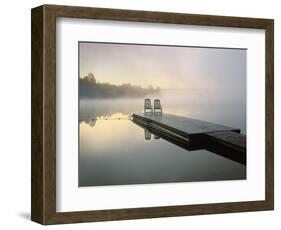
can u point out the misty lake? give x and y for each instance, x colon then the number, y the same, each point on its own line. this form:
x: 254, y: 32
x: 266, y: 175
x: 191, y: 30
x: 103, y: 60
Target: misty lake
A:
x: 114, y: 151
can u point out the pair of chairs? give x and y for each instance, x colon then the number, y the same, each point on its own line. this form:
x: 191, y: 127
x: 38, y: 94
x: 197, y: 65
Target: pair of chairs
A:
x: 157, y: 110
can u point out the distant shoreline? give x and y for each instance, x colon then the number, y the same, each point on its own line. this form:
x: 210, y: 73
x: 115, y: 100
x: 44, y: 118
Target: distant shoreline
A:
x: 92, y: 89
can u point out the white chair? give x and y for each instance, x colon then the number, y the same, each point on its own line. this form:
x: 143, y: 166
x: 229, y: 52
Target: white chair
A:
x: 147, y: 106
x: 157, y: 107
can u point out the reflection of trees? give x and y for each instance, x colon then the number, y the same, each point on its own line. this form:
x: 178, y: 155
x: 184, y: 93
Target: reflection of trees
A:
x: 116, y: 116
x: 90, y: 122
x: 89, y: 87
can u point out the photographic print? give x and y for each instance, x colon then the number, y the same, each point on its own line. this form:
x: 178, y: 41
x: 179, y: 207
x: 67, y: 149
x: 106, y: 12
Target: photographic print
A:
x: 159, y: 114
x: 157, y: 107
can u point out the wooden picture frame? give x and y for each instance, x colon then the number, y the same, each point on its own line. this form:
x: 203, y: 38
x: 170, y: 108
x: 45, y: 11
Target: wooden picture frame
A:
x: 43, y: 189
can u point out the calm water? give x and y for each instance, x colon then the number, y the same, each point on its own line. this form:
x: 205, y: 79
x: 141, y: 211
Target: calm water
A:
x: 114, y: 150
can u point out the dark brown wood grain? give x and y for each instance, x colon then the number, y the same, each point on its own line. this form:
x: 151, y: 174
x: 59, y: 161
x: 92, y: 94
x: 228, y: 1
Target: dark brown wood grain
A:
x: 269, y: 116
x: 43, y: 160
x: 37, y: 115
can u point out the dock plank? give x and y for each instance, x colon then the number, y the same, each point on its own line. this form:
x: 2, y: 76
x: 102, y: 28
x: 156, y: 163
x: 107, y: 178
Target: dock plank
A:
x: 189, y: 126
x: 231, y: 139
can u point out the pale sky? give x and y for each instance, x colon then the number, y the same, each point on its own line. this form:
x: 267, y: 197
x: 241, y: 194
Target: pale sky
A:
x: 167, y: 67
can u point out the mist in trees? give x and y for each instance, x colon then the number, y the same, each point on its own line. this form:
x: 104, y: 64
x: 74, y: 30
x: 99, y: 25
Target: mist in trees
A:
x: 89, y: 87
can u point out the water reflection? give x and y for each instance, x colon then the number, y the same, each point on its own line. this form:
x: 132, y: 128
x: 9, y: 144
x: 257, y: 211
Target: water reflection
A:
x: 147, y: 134
x: 92, y: 122
x: 187, y: 104
x: 108, y: 109
x: 222, y: 150
x: 115, y: 151
x: 115, y: 116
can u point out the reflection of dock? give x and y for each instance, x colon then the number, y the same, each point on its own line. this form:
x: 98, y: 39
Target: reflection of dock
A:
x: 194, y: 134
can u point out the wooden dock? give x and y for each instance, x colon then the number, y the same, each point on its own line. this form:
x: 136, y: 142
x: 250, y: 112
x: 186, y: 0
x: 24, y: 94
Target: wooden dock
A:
x: 195, y: 134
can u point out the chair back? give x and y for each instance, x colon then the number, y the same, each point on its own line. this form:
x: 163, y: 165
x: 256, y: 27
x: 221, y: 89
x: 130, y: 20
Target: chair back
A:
x: 147, y: 103
x: 157, y: 104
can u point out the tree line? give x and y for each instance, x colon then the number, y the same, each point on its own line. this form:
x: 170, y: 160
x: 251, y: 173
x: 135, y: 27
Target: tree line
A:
x: 89, y: 87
